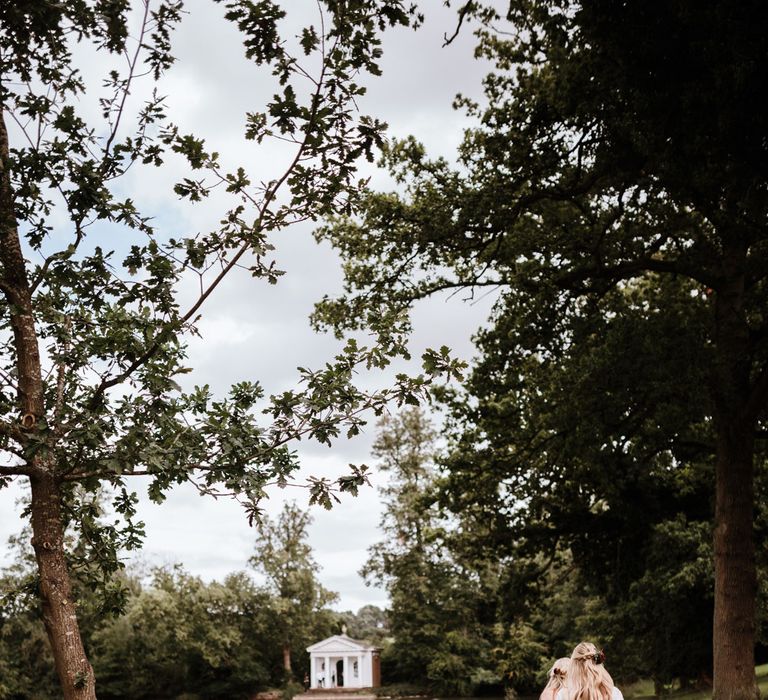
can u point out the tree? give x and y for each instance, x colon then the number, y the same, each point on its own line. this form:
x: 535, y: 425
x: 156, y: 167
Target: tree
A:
x: 180, y: 635
x: 25, y: 669
x: 619, y: 152
x: 93, y: 335
x: 176, y: 635
x: 285, y: 558
x: 99, y: 595
x: 370, y: 623
x: 665, y: 609
x: 593, y: 454
x: 435, y: 600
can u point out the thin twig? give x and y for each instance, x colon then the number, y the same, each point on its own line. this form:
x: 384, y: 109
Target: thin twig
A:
x: 129, y: 79
x: 263, y: 210
x: 462, y: 14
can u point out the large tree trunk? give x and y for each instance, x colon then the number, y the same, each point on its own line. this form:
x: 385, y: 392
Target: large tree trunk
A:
x: 735, y: 573
x: 287, y: 659
x: 59, y: 615
x: 735, y: 576
x: 74, y: 671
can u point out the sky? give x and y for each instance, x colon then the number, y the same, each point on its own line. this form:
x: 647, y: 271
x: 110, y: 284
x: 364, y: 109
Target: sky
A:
x: 251, y: 330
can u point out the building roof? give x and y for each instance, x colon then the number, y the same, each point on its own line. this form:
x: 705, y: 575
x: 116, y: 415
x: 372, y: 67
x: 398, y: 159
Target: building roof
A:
x: 340, y: 643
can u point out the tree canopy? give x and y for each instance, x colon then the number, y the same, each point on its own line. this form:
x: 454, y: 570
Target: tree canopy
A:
x: 94, y: 322
x: 613, y: 195
x: 285, y: 558
x: 178, y: 636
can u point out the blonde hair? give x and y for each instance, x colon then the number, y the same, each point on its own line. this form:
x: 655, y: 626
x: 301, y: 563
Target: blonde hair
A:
x: 556, y: 675
x: 586, y: 679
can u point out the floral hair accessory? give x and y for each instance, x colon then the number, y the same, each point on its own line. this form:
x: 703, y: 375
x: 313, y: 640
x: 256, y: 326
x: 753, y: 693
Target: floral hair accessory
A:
x: 599, y: 657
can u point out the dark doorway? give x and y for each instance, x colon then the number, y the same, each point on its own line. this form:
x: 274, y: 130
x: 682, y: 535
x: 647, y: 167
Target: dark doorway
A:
x: 340, y: 673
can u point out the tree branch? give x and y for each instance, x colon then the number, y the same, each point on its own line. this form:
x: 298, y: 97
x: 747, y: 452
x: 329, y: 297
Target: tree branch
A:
x: 61, y: 374
x: 15, y: 470
x: 127, y: 84
x: 463, y: 12
x: 105, y: 474
x: 12, y: 431
x: 280, y: 437
x: 269, y: 196
x: 629, y: 269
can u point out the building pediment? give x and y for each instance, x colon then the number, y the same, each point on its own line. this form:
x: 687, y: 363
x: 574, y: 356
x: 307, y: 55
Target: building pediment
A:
x: 338, y: 644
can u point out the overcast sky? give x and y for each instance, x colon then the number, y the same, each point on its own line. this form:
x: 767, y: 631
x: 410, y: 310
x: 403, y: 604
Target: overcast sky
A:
x: 251, y: 330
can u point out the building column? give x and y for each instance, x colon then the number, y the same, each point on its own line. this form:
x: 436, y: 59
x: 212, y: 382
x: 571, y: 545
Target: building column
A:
x: 345, y: 670
x: 360, y: 681
x: 375, y: 669
x: 327, y: 673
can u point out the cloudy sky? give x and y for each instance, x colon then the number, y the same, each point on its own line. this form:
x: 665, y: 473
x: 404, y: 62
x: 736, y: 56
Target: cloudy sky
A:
x: 254, y: 331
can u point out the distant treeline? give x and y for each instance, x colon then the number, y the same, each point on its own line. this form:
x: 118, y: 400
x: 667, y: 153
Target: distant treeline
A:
x: 485, y: 591
x: 167, y: 634
x: 179, y: 636
x: 492, y: 575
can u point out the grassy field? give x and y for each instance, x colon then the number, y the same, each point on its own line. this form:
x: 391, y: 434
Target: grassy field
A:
x: 644, y: 689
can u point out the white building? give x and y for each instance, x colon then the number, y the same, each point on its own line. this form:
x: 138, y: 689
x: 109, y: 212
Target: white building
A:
x: 342, y: 662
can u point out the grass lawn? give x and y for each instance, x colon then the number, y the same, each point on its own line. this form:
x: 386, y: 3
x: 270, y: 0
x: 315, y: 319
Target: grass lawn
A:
x: 644, y: 689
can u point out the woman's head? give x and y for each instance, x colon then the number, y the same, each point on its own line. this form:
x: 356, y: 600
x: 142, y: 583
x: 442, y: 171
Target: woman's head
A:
x: 587, y: 678
x: 559, y: 670
x: 586, y: 651
x: 556, y: 678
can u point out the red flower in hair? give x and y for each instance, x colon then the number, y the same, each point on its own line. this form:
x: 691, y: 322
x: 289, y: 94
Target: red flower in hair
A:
x: 599, y: 657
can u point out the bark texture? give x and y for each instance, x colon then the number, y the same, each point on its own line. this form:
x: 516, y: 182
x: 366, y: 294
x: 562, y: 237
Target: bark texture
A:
x: 59, y: 614
x: 74, y: 670
x: 735, y: 576
x: 735, y: 572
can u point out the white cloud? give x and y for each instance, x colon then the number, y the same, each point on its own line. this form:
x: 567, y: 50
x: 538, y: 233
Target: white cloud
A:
x: 251, y: 330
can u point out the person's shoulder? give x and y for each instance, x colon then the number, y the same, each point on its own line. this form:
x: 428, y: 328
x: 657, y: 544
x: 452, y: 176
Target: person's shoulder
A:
x: 560, y: 695
x: 616, y: 694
